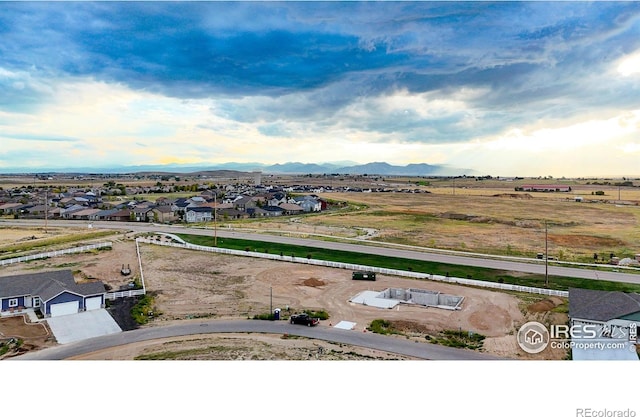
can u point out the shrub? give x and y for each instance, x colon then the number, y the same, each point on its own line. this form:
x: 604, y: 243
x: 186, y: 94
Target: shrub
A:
x: 266, y: 316
x: 381, y: 326
x: 141, y: 311
x: 322, y: 315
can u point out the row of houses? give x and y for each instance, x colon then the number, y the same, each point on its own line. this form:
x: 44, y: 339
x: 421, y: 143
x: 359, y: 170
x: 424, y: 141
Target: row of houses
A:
x: 200, y: 208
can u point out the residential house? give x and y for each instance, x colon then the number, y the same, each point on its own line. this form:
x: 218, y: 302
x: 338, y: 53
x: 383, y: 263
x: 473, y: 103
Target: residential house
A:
x: 613, y: 315
x: 308, y: 203
x: 291, y: 209
x: 143, y: 214
x: 53, y: 293
x: 68, y: 211
x: 277, y: 199
x: 229, y: 213
x: 123, y: 215
x: 85, y: 214
x: 103, y: 214
x: 254, y: 212
x: 11, y: 208
x: 197, y: 200
x: 273, y: 211
x: 244, y: 203
x: 198, y: 214
x: 164, y: 214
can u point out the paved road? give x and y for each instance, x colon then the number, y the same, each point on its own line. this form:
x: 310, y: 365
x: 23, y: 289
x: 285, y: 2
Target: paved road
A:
x: 331, y: 334
x: 502, y: 263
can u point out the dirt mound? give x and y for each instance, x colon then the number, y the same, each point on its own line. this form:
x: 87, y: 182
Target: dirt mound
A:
x: 407, y: 326
x: 544, y: 305
x: 313, y: 282
x: 595, y: 242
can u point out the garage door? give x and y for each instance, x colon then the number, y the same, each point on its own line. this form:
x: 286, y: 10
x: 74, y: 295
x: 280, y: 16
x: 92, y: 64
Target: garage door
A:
x: 63, y: 309
x: 93, y: 303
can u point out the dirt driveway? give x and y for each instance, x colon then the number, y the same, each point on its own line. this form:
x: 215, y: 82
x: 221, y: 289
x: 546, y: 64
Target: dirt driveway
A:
x: 190, y: 284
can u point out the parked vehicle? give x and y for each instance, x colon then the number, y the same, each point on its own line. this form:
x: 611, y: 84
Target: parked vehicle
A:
x: 304, y: 319
x: 366, y: 276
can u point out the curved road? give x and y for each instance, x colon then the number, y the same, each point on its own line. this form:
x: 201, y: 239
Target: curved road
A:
x: 350, y: 337
x: 534, y: 266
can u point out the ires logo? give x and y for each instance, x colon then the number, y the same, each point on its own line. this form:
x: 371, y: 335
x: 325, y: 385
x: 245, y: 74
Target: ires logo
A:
x: 534, y: 337
x: 564, y: 331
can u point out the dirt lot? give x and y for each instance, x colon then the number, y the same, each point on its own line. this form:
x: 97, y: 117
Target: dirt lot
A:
x: 191, y: 285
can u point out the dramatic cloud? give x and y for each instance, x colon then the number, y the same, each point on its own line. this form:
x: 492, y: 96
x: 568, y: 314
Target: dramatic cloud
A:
x: 405, y: 82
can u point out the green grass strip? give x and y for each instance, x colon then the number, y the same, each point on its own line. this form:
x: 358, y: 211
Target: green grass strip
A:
x: 477, y: 273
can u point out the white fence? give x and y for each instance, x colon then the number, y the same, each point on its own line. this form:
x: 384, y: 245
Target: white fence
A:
x: 342, y: 265
x: 121, y: 294
x: 52, y: 254
x: 130, y: 293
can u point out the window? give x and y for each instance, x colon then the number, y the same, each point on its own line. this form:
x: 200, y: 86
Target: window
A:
x: 36, y: 302
x: 13, y: 302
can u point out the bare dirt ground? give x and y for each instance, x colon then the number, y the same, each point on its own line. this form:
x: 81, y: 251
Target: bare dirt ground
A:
x: 191, y: 285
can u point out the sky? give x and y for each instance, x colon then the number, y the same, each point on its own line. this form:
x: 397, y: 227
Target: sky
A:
x: 506, y: 88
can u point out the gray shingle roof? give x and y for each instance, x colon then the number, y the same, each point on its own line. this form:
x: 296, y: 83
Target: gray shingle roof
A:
x: 602, y: 305
x: 46, y: 285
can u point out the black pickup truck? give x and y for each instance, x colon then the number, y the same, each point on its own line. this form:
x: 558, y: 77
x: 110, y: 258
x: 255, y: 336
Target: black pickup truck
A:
x: 303, y: 319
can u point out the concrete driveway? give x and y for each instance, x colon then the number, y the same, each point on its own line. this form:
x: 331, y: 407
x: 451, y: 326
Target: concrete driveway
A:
x: 81, y: 326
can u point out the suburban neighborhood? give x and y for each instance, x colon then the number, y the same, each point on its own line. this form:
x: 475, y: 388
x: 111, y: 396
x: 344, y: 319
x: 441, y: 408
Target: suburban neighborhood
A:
x: 108, y: 203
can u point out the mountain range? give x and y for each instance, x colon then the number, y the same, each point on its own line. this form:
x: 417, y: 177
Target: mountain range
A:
x: 346, y: 167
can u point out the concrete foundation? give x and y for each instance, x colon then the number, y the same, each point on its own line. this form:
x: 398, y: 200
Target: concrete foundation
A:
x: 390, y: 297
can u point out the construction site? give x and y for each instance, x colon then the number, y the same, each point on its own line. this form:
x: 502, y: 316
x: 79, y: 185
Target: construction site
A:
x: 391, y: 297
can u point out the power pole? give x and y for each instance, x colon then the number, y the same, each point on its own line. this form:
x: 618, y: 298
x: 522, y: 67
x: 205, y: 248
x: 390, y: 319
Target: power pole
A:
x: 215, y: 220
x: 546, y: 256
x: 46, y: 209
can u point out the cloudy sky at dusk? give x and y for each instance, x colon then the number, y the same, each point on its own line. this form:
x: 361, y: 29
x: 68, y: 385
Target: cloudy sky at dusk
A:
x: 507, y: 88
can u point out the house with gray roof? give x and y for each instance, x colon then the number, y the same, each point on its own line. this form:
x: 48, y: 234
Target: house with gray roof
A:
x: 613, y: 315
x: 603, y: 306
x: 54, y: 293
x: 198, y: 214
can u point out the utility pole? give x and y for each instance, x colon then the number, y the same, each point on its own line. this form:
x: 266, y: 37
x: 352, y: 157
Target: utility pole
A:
x: 215, y: 220
x: 46, y: 209
x: 546, y: 256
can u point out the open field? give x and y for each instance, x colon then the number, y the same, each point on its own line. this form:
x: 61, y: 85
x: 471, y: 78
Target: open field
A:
x: 485, y: 221
x: 15, y: 241
x: 469, y: 214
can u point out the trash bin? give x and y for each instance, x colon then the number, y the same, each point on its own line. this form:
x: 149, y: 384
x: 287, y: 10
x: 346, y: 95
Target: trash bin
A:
x: 276, y: 314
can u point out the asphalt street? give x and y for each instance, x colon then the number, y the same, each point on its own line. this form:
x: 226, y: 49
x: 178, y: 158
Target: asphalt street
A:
x: 350, y: 337
x: 534, y: 266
